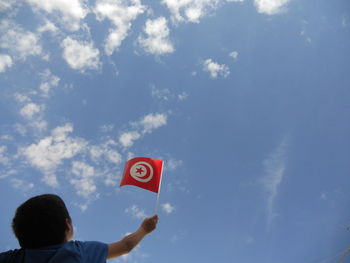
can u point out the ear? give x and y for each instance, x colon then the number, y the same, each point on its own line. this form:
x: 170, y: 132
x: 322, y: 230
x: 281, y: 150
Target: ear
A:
x: 69, y: 231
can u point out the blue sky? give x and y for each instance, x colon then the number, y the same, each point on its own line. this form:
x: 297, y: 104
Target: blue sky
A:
x: 247, y: 102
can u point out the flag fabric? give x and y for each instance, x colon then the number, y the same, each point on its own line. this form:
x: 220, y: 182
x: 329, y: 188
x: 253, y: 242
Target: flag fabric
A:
x: 143, y: 172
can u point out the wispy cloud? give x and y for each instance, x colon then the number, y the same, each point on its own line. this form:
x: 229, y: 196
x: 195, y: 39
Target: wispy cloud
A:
x: 234, y: 55
x: 21, y: 185
x: 190, y: 10
x: 135, y: 211
x: 5, y: 5
x: 168, y: 208
x: 182, y: 96
x: 165, y: 95
x: 5, y: 62
x: 146, y: 124
x: 150, y: 122
x: 323, y: 196
x: 271, y: 7
x: 4, y: 159
x: 162, y: 94
x: 215, y: 69
x: 32, y: 113
x: 31, y: 109
x: 172, y: 164
x: 274, y: 169
x: 121, y: 14
x: 48, y: 26
x: 20, y: 43
x: 83, y: 179
x: 156, y: 40
x: 72, y: 11
x: 80, y: 55
x: 127, y: 138
x: 344, y: 21
x: 51, y: 151
x: 49, y: 81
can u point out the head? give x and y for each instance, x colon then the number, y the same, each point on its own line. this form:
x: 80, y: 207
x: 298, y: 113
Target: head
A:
x: 42, y: 221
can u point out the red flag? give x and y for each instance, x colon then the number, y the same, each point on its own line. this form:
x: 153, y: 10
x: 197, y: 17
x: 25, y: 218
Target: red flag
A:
x: 143, y: 172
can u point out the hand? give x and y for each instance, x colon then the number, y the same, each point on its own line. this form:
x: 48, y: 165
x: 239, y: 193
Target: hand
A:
x: 149, y: 224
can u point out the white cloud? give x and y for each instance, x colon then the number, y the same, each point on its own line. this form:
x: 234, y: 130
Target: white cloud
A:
x: 30, y: 109
x: 166, y: 95
x: 162, y: 94
x: 47, y: 27
x: 274, y: 165
x: 52, y: 150
x: 121, y: 13
x: 21, y: 97
x: 112, y: 179
x: 34, y: 114
x: 189, y: 10
x: 80, y: 55
x: 20, y: 42
x: 153, y: 121
x: 168, y: 208
x: 172, y: 164
x: 106, y: 152
x: 48, y: 82
x: 3, y: 155
x: 6, y: 137
x: 21, y: 129
x: 6, y: 4
x: 344, y: 21
x: 156, y: 40
x: 21, y: 184
x: 135, y: 212
x: 147, y: 124
x: 5, y: 62
x: 234, y: 55
x: 72, y: 11
x: 215, y: 69
x: 39, y: 124
x: 107, y: 128
x: 83, y: 179
x: 271, y: 7
x: 183, y: 96
x: 127, y: 138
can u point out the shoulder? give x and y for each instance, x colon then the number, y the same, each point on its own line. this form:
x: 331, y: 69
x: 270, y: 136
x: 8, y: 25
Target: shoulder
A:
x: 11, y: 256
x: 90, y: 251
x: 83, y: 245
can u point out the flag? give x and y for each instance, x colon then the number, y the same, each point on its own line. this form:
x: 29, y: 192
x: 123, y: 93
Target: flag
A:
x: 143, y: 172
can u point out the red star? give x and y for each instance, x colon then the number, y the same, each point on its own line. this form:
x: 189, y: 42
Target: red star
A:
x: 139, y: 170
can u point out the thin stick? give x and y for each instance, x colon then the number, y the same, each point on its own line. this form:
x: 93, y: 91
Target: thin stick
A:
x: 160, y: 184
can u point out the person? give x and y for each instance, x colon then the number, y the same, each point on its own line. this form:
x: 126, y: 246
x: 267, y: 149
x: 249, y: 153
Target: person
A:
x: 44, y: 231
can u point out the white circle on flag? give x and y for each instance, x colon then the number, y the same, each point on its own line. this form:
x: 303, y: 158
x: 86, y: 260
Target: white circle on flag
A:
x: 142, y: 172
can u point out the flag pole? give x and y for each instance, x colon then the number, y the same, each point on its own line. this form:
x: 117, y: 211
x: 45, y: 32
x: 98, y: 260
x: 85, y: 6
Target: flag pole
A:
x: 160, y: 184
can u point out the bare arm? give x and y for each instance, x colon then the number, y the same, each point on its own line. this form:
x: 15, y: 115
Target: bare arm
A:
x: 125, y: 245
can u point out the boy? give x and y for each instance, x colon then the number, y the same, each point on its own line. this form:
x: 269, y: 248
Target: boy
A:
x: 44, y: 231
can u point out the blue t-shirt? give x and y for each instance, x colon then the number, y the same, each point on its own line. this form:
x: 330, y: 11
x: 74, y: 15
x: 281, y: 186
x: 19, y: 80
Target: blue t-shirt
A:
x: 69, y: 252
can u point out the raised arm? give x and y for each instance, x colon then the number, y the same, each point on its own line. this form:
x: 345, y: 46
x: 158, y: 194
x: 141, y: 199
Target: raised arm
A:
x: 125, y: 245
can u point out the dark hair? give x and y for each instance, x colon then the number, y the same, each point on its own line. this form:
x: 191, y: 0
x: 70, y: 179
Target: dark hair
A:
x: 41, y: 221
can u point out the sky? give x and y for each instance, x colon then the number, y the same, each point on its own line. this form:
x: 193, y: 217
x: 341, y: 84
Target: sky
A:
x: 246, y: 101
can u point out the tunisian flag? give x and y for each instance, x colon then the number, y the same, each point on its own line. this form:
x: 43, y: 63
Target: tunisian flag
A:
x: 143, y: 172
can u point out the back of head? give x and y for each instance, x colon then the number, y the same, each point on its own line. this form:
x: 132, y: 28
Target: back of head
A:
x: 41, y: 221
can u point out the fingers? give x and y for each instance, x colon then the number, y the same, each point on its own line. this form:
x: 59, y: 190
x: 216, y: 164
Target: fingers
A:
x: 150, y: 223
x: 155, y: 217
